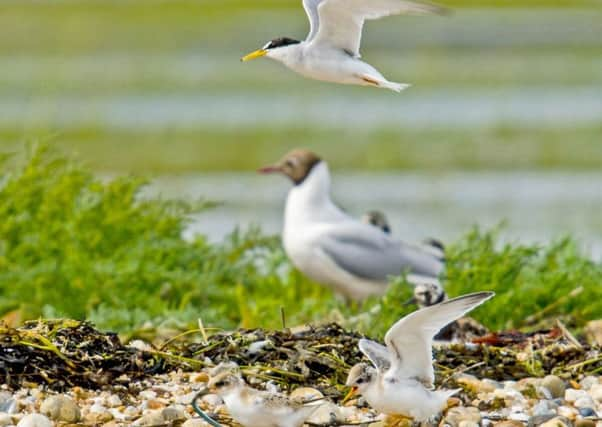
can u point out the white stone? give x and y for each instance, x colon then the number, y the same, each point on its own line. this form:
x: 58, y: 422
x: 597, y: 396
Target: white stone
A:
x: 596, y: 392
x: 5, y: 420
x: 61, y: 408
x: 571, y: 395
x: 588, y: 382
x: 35, y: 420
x: 148, y: 394
x: 326, y: 413
x: 584, y: 402
x: 113, y: 400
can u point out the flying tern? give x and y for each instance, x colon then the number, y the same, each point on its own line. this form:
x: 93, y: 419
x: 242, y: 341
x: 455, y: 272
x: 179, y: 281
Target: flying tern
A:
x: 331, y: 51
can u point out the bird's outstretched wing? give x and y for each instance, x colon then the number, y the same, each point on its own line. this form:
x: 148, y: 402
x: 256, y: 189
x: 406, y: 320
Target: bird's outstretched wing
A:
x: 341, y: 21
x: 311, y: 8
x: 378, y: 354
x: 410, y: 339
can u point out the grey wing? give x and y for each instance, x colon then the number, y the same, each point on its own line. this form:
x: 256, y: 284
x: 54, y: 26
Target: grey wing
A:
x: 410, y: 339
x: 378, y: 354
x: 366, y: 252
x: 341, y: 21
x: 311, y: 8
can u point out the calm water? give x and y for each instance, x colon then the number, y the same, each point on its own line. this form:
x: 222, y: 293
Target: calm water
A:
x: 537, y: 206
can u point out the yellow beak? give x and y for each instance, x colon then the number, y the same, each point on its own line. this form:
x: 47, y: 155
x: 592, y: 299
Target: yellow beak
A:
x: 257, y: 54
x: 351, y: 393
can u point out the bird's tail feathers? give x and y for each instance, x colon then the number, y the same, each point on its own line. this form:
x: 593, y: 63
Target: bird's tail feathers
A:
x: 396, y: 87
x: 443, y: 395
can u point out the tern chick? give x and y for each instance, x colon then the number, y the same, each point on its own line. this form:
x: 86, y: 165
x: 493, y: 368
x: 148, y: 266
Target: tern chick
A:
x: 331, y: 50
x: 400, y: 382
x: 331, y: 247
x: 255, y: 408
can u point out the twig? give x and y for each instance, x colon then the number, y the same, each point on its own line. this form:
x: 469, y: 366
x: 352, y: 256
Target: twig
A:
x: 282, y: 317
x: 567, y: 334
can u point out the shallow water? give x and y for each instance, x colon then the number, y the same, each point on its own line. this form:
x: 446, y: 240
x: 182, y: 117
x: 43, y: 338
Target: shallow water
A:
x: 538, y: 207
x: 462, y: 108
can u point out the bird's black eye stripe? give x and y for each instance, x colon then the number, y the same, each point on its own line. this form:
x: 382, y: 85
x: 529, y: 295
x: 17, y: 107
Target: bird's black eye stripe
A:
x: 220, y: 383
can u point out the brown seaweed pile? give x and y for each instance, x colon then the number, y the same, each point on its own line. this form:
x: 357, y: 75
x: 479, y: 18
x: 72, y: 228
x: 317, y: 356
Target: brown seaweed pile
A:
x: 61, y: 354
x: 65, y: 353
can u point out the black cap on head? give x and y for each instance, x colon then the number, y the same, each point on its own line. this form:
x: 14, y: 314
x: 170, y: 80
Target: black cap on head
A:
x: 280, y: 42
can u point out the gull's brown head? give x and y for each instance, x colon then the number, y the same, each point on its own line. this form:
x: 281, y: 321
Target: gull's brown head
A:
x: 297, y: 165
x: 224, y: 382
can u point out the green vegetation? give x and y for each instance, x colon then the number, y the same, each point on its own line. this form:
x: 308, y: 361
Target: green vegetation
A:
x: 169, y: 151
x: 76, y: 246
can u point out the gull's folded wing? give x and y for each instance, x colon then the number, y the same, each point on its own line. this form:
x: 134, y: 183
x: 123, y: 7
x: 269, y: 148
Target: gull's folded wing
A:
x: 367, y: 252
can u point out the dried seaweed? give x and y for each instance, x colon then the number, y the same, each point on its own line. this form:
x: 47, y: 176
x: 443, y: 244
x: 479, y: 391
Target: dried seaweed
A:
x: 67, y: 353
x: 61, y: 354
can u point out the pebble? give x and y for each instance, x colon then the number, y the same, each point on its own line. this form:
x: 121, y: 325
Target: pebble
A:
x: 7, y: 402
x: 35, y: 420
x: 537, y: 420
x: 571, y: 394
x: 474, y: 384
x: 585, y: 423
x: 567, y: 412
x: 327, y: 413
x: 460, y: 413
x: 165, y: 400
x: 584, y: 402
x: 544, y: 407
x: 557, y: 422
x: 596, y: 392
x: 195, y: 422
x: 587, y: 412
x: 509, y: 423
x: 61, y: 408
x: 555, y: 385
x: 5, y: 420
x: 588, y: 382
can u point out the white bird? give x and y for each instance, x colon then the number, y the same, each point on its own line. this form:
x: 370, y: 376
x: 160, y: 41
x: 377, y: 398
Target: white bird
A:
x: 331, y: 50
x: 401, y: 381
x: 331, y: 247
x: 255, y: 408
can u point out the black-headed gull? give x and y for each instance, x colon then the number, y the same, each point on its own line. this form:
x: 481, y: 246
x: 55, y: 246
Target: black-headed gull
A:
x: 354, y: 258
x: 331, y: 51
x: 401, y: 380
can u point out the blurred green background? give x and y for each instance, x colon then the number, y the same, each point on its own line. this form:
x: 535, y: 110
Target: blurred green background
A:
x: 156, y: 86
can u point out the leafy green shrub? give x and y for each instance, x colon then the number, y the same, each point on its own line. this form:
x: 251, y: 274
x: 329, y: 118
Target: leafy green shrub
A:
x: 74, y: 245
